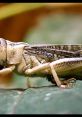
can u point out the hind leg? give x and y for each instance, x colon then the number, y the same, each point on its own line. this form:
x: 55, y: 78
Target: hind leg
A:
x: 43, y: 67
x: 50, y: 67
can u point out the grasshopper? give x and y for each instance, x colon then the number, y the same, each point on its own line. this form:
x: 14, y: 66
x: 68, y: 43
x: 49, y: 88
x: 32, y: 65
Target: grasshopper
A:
x: 50, y: 59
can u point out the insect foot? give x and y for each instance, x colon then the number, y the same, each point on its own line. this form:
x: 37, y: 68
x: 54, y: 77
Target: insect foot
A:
x: 68, y: 83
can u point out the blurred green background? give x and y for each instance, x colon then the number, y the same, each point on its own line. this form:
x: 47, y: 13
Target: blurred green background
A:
x: 50, y: 23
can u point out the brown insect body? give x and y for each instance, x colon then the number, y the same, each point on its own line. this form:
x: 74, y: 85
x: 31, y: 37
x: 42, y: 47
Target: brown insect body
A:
x: 35, y: 59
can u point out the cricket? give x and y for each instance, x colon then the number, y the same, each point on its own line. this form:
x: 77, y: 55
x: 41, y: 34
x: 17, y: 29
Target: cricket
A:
x: 50, y: 59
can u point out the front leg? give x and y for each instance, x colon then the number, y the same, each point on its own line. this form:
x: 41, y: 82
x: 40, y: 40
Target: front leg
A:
x: 47, y: 66
x: 7, y: 70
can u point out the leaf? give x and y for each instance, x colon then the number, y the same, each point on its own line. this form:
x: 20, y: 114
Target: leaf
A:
x: 8, y: 100
x: 51, y: 101
x: 46, y: 100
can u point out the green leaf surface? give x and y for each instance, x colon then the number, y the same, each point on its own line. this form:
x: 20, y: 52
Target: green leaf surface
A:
x: 8, y: 100
x: 51, y: 100
x: 46, y: 99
